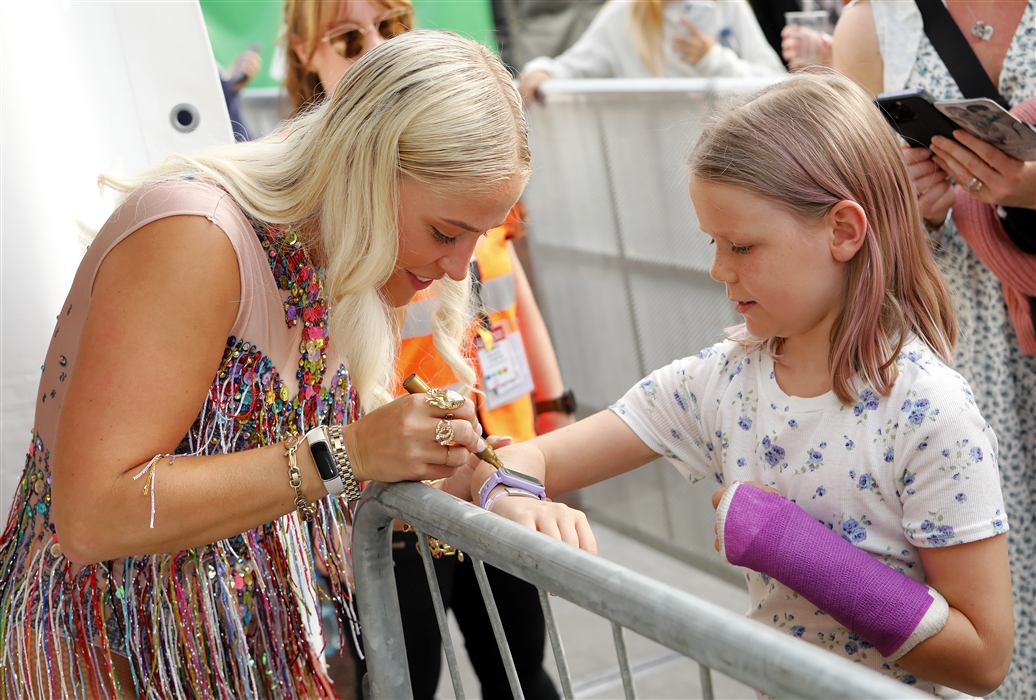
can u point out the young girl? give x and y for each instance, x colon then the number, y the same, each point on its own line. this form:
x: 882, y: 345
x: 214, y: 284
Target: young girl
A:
x: 861, y: 483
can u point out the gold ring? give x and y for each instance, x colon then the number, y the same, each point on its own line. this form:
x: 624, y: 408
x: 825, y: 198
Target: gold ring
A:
x: 447, y: 462
x: 444, y: 431
x: 446, y: 399
x: 968, y: 187
x: 977, y: 187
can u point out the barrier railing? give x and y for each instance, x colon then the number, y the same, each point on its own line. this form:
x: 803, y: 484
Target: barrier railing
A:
x: 761, y: 657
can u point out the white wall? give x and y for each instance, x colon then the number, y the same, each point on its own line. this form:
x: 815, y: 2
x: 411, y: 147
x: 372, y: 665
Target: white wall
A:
x: 85, y: 88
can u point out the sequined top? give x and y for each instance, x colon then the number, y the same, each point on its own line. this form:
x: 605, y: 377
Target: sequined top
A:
x: 232, y: 619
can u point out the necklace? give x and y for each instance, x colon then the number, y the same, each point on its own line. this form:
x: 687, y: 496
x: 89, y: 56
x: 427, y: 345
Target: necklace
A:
x: 980, y: 29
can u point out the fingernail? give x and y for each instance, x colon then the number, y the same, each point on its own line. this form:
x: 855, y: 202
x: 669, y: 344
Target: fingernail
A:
x: 480, y: 445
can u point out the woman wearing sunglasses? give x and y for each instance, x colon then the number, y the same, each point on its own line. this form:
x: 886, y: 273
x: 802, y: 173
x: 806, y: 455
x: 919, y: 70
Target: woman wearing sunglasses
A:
x: 326, y: 38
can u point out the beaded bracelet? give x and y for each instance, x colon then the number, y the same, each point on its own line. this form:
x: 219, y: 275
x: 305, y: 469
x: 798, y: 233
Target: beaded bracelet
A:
x: 295, y: 479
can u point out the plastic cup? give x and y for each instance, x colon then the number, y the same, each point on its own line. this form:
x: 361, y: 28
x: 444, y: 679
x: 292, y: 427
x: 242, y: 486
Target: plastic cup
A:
x: 806, y: 28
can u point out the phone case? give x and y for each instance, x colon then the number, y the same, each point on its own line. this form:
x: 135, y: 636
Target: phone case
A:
x: 914, y: 115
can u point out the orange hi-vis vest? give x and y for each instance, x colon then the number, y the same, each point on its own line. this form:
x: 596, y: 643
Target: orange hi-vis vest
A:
x: 417, y: 353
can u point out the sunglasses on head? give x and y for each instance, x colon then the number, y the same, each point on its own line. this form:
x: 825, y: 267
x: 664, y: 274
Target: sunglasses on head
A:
x: 348, y: 40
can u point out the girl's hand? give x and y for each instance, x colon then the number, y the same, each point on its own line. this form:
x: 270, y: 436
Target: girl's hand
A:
x: 397, y: 441
x: 1004, y: 180
x: 717, y: 496
x: 529, y: 87
x: 459, y: 484
x: 935, y: 194
x: 552, y: 519
x: 694, y: 44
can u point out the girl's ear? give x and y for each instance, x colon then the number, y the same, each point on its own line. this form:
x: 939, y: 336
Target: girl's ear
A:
x: 848, y: 223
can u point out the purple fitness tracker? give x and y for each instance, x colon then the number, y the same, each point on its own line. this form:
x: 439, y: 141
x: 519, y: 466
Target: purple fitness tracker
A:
x: 509, y: 477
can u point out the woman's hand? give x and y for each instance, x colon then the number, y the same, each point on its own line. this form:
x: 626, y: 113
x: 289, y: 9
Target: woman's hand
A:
x: 529, y: 87
x: 397, y: 441
x: 693, y: 44
x: 935, y: 194
x: 998, y: 178
x: 552, y: 519
x: 801, y: 46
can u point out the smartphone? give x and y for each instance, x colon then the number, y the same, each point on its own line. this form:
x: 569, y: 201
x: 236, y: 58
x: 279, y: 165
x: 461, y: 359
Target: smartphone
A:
x: 914, y: 115
x: 703, y: 15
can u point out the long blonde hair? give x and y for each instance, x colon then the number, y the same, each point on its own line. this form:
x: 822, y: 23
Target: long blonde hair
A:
x: 806, y: 144
x: 308, y: 20
x: 428, y: 105
x: 646, y: 23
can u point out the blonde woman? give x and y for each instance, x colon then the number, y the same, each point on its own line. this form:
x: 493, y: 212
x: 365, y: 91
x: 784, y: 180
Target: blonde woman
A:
x: 236, y: 302
x: 662, y: 38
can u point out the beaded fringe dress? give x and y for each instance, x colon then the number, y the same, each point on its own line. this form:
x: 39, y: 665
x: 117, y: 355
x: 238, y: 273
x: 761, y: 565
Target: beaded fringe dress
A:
x: 228, y: 620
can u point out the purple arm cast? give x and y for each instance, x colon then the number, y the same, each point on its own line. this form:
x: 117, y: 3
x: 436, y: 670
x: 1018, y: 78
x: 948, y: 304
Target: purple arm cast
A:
x: 769, y: 534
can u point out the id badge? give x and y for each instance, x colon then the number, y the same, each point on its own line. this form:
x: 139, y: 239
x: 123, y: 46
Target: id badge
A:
x: 505, y: 368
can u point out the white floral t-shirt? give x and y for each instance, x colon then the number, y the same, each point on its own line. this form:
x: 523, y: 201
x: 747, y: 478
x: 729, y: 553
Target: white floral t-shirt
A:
x: 890, y: 474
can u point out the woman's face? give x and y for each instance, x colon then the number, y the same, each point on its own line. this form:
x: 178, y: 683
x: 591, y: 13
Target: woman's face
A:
x: 438, y: 233
x: 326, y: 62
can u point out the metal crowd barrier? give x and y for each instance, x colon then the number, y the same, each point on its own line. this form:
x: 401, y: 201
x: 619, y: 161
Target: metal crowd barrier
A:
x: 763, y: 658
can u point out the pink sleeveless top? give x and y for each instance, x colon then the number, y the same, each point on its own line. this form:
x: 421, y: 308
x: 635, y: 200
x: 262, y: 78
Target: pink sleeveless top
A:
x: 225, y: 620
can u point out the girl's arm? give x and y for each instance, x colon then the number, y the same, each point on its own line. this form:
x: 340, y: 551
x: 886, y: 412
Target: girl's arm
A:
x: 973, y: 651
x: 592, y: 450
x: 163, y: 303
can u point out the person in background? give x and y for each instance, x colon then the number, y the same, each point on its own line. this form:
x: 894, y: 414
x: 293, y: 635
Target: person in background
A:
x: 661, y: 38
x: 883, y: 47
x: 517, y: 366
x: 245, y: 67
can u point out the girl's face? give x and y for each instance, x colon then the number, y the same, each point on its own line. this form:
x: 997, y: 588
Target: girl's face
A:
x: 330, y: 65
x: 784, y: 275
x: 438, y: 233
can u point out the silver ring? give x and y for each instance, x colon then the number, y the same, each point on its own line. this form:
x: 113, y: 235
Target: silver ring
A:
x: 968, y: 187
x: 444, y: 431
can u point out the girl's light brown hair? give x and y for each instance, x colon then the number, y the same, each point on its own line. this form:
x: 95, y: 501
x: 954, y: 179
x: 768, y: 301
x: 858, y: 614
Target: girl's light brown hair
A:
x: 808, y: 143
x: 310, y: 20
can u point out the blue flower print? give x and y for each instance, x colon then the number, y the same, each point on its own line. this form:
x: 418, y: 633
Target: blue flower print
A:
x: 849, y: 444
x: 774, y: 455
x: 851, y: 648
x: 740, y: 461
x: 820, y: 492
x: 675, y: 433
x: 908, y: 679
x: 650, y: 390
x: 793, y: 423
x: 798, y: 631
x: 945, y: 453
x: 922, y: 447
x: 927, y: 526
x: 852, y: 473
x: 707, y: 352
x: 961, y: 497
x: 907, y: 478
x: 680, y: 400
x: 744, y: 422
x: 998, y: 526
x: 866, y: 481
x: 976, y: 454
x: 823, y: 445
x: 944, y: 531
x: 868, y: 402
x: 854, y: 531
x: 890, y: 455
x: 914, y: 356
x: 916, y: 410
